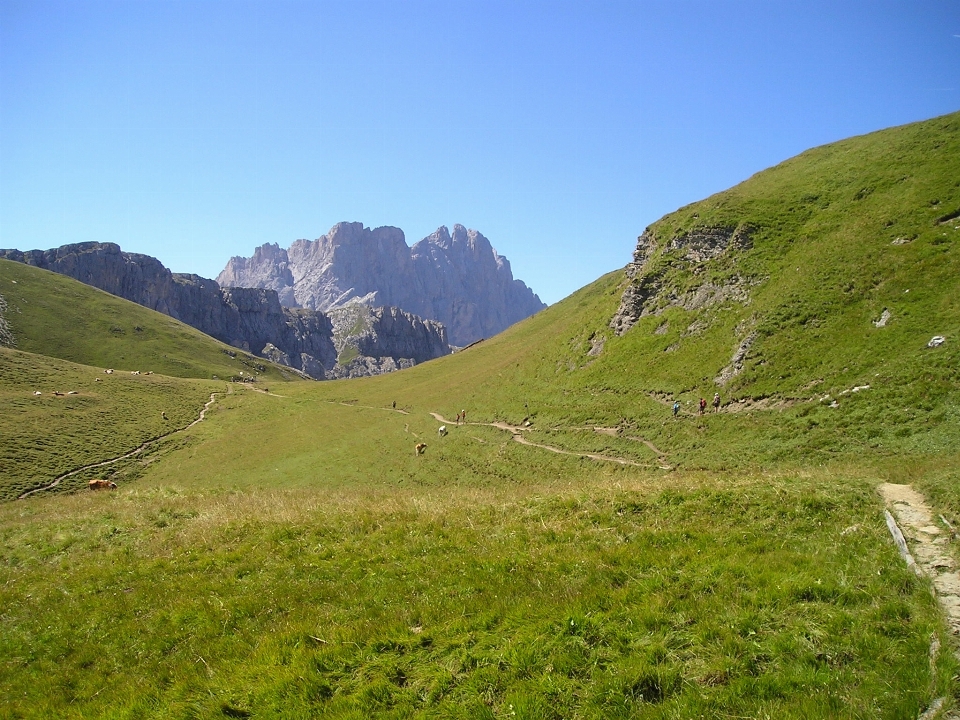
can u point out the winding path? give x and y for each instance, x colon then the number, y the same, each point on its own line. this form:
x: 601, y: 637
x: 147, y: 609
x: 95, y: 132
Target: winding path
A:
x: 517, y: 433
x: 135, y: 451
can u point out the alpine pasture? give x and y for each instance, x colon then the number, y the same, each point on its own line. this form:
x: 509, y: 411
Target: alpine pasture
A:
x: 292, y: 556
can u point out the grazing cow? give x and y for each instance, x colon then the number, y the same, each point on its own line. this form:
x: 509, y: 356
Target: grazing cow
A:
x: 163, y: 414
x: 101, y: 485
x: 37, y: 392
x: 441, y: 431
x: 420, y: 448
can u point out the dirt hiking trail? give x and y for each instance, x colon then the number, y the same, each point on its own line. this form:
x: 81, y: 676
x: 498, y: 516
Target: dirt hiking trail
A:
x: 929, y: 541
x: 517, y: 433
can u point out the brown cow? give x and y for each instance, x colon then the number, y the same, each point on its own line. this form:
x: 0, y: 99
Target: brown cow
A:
x: 420, y: 448
x: 101, y: 485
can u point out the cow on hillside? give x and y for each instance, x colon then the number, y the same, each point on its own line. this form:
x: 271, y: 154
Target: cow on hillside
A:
x: 101, y: 485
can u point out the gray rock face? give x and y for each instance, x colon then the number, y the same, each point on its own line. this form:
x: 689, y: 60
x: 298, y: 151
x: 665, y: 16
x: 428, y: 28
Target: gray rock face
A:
x: 249, y: 318
x: 386, y: 331
x: 654, y: 260
x: 268, y: 268
x: 456, y: 279
x: 6, y: 336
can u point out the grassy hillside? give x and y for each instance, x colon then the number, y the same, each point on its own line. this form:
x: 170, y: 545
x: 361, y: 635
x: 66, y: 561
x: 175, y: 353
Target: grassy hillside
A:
x: 292, y: 557
x: 828, y: 257
x: 51, y: 314
x: 95, y: 417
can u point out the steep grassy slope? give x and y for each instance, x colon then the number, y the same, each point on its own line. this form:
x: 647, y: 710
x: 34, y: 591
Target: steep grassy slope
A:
x: 53, y: 315
x: 828, y: 256
x: 95, y: 417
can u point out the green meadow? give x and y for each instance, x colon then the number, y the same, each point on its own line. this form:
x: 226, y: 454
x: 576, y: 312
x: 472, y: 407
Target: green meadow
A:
x: 291, y: 556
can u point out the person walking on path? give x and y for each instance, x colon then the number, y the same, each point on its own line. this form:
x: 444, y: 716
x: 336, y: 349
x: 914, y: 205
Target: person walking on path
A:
x: 676, y: 407
x: 703, y: 405
x: 716, y: 402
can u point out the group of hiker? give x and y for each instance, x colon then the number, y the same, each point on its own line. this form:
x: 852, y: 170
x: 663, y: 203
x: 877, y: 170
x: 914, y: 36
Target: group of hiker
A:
x: 702, y: 405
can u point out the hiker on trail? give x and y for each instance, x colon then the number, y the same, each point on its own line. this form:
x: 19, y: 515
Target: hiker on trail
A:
x: 716, y: 402
x: 676, y: 407
x: 463, y: 414
x: 394, y: 404
x: 703, y: 405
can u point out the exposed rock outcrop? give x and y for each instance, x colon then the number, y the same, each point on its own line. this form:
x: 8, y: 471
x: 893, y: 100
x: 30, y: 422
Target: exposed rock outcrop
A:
x: 681, y: 272
x: 249, y: 318
x: 456, y: 279
x: 6, y: 336
x: 386, y: 332
x: 735, y: 367
x: 654, y: 260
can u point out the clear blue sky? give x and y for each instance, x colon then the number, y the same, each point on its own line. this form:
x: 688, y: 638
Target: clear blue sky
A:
x: 193, y: 131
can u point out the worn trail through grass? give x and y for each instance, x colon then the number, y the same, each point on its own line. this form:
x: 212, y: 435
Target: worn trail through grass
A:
x: 136, y: 451
x: 517, y: 433
x: 930, y: 545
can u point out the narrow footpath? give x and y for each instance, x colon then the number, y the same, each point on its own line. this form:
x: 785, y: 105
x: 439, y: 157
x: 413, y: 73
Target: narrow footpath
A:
x: 929, y: 541
x: 517, y: 433
x: 136, y: 451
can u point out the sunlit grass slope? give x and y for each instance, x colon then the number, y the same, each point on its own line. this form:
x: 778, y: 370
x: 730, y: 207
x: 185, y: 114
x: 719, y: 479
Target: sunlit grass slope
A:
x: 54, y: 315
x: 822, y: 268
x: 604, y: 596
x: 96, y: 417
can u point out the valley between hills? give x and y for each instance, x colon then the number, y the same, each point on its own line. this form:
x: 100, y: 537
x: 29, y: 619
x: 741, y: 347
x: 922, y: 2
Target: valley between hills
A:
x: 574, y: 548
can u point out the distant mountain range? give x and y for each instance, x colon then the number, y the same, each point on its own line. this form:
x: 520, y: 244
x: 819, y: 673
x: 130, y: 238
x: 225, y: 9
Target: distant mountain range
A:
x: 456, y: 279
x: 366, y: 341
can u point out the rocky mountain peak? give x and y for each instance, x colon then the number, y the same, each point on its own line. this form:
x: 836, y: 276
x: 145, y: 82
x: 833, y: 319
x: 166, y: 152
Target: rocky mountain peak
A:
x: 252, y: 318
x: 455, y: 278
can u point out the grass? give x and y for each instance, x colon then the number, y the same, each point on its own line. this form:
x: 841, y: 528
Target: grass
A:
x: 535, y: 601
x: 48, y: 435
x: 292, y: 557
